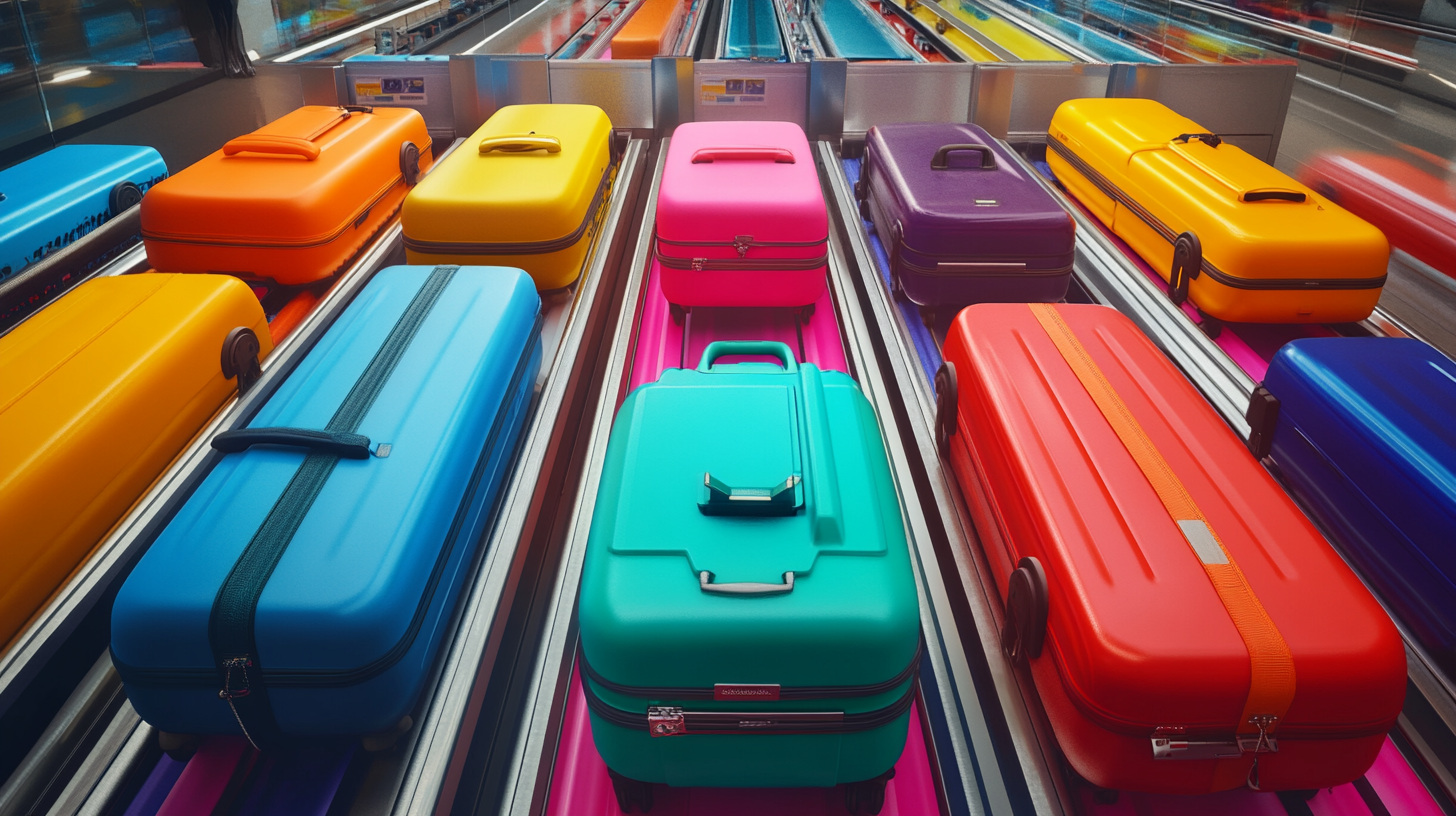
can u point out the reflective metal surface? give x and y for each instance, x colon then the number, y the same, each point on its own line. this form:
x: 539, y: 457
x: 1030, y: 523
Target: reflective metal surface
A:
x: 881, y: 93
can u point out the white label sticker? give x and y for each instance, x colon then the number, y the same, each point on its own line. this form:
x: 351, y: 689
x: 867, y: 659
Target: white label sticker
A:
x: 733, y: 91
x: 396, y: 90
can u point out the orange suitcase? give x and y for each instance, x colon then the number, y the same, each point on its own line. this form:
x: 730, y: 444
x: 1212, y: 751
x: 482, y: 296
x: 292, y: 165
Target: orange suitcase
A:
x: 291, y: 202
x: 652, y: 31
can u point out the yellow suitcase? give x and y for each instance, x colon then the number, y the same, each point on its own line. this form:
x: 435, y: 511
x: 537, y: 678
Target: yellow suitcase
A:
x: 99, y: 392
x: 1241, y: 240
x: 526, y: 190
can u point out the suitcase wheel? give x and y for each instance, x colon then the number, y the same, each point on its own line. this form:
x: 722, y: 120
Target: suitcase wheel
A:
x: 679, y: 314
x: 1187, y: 264
x: 946, y: 405
x: 631, y: 793
x: 1211, y: 326
x: 409, y: 163
x: 864, y: 210
x: 867, y: 798
x: 124, y: 196
x: 179, y: 747
x: 240, y: 358
x: 927, y: 316
x: 805, y: 313
x: 1024, y: 630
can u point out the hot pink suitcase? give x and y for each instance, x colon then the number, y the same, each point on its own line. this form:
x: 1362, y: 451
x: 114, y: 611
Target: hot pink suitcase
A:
x: 740, y: 217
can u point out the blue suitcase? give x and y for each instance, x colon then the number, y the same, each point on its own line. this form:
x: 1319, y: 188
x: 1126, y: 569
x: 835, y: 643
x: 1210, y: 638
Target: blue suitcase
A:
x: 1364, y: 430
x: 304, y: 587
x: 51, y: 200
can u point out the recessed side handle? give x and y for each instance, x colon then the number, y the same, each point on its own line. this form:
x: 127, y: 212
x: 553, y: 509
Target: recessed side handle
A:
x: 1273, y: 194
x: 343, y: 445
x: 525, y: 143
x: 274, y: 145
x: 721, y: 500
x: 708, y: 155
x: 705, y: 583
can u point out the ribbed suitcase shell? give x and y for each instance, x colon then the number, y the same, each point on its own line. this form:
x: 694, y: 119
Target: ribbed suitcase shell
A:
x: 62, y: 194
x: 851, y: 618
x: 291, y: 202
x: 652, y: 31
x: 751, y: 31
x: 741, y: 219
x: 964, y: 232
x: 1137, y: 639
x: 101, y: 390
x: 1265, y: 260
x: 1415, y: 209
x: 501, y: 200
x: 351, y: 618
x: 1366, y: 436
x: 852, y: 33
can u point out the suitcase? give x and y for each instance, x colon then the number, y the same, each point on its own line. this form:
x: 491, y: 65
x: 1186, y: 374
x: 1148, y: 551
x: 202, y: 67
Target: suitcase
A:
x: 101, y: 390
x: 1362, y: 429
x: 57, y: 197
x: 1241, y: 240
x: 741, y: 219
x: 731, y: 491
x: 652, y: 31
x: 1415, y: 209
x: 305, y: 586
x: 851, y: 31
x: 960, y: 218
x: 527, y: 190
x: 1187, y: 631
x: 292, y: 202
x: 751, y: 32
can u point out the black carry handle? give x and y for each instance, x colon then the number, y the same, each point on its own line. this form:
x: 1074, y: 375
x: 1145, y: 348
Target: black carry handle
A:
x: 1274, y: 195
x: 940, y: 162
x: 358, y: 108
x: 343, y: 445
x: 1210, y: 139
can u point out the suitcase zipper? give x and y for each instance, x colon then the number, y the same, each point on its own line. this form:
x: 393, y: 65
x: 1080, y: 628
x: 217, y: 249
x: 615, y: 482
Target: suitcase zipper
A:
x: 668, y: 721
x: 525, y: 247
x: 778, y: 692
x: 315, y: 678
x: 979, y: 269
x: 743, y: 264
x: 1112, y: 191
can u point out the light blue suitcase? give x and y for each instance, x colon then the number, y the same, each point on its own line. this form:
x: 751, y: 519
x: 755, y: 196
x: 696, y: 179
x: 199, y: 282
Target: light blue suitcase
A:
x: 57, y: 197
x: 304, y: 587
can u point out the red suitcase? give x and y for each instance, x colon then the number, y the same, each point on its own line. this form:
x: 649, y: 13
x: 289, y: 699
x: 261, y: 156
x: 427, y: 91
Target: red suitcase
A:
x: 1127, y: 618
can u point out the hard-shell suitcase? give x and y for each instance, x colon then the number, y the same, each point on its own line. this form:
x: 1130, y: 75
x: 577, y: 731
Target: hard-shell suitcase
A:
x: 747, y: 526
x: 962, y: 221
x: 851, y: 30
x: 305, y: 586
x: 1187, y: 628
x: 291, y: 202
x: 100, y: 391
x: 1241, y: 240
x: 1415, y: 209
x: 527, y: 190
x: 1364, y: 431
x: 57, y: 197
x: 741, y: 219
x: 652, y: 31
x: 751, y: 32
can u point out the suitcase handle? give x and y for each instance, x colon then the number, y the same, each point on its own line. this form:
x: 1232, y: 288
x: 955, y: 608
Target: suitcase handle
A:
x: 719, y: 499
x: 779, y: 155
x: 276, y: 145
x: 1273, y: 194
x: 705, y: 583
x: 343, y: 445
x: 723, y: 348
x: 941, y: 161
x: 520, y: 144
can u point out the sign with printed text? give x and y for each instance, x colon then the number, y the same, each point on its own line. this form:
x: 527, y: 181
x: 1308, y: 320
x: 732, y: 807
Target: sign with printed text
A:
x: 733, y: 91
x: 390, y: 89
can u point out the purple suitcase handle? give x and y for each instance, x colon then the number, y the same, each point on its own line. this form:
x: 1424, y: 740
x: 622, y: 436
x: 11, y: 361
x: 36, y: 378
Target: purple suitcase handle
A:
x: 941, y: 161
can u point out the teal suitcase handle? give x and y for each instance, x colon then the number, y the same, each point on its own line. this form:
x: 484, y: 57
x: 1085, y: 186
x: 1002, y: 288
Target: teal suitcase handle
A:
x: 705, y: 583
x: 723, y: 348
x: 827, y: 521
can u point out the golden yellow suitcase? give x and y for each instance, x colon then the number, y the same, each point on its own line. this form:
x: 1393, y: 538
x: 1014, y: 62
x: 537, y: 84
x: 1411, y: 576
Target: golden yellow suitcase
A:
x: 1241, y: 240
x: 526, y: 190
x: 99, y: 392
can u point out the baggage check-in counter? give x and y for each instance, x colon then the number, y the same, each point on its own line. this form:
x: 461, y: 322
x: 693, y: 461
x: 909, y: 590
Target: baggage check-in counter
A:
x: 487, y: 726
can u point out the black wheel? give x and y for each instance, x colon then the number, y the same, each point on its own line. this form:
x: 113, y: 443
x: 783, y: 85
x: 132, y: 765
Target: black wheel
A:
x: 1211, y: 326
x: 179, y: 747
x: 679, y: 314
x: 867, y: 798
x: 864, y: 211
x: 1187, y: 265
x: 946, y: 406
x: 631, y: 794
x: 1024, y: 629
x: 409, y: 163
x: 124, y: 196
x: 940, y: 26
x: 240, y: 357
x: 805, y: 313
x: 927, y: 316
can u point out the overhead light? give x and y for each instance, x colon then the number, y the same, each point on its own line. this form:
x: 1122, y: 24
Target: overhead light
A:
x: 74, y: 73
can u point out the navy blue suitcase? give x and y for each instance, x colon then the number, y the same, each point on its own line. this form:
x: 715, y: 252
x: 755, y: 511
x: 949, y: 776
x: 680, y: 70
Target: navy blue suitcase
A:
x: 304, y: 587
x: 1364, y: 431
x: 57, y: 197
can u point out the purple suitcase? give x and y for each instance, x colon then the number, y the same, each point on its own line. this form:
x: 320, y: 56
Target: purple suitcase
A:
x: 961, y: 219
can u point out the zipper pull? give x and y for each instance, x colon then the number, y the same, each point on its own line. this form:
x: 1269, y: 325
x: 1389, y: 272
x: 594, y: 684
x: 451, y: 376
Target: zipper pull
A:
x: 699, y: 263
x: 742, y: 243
x: 241, y: 664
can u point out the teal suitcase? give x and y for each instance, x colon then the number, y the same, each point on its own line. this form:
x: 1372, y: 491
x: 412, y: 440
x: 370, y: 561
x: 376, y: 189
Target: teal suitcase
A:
x: 748, y: 615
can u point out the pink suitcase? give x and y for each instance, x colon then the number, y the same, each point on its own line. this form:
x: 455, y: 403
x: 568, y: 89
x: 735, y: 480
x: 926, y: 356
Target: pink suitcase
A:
x: 740, y: 217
